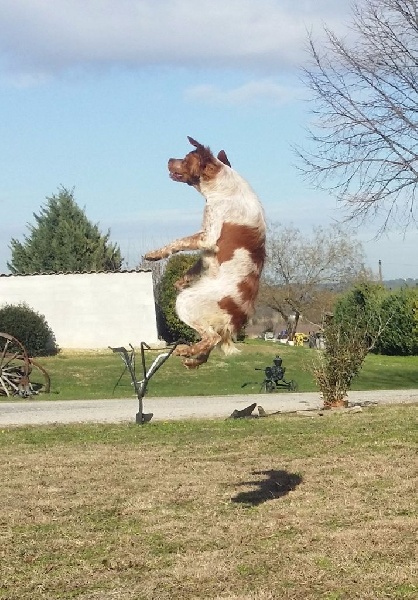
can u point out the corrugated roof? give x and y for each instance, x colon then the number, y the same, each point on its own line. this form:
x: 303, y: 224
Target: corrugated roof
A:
x: 75, y: 273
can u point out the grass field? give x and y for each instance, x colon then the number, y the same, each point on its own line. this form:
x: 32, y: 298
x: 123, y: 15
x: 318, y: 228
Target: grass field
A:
x: 94, y: 374
x: 288, y: 507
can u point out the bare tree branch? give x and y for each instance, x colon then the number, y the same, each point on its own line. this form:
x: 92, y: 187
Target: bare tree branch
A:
x: 365, y: 139
x: 304, y: 272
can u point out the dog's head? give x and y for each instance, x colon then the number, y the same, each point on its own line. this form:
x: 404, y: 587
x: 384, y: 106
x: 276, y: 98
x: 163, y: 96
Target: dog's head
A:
x: 199, y: 165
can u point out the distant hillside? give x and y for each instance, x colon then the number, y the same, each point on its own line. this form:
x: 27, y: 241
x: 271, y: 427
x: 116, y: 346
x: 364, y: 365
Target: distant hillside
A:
x: 393, y: 284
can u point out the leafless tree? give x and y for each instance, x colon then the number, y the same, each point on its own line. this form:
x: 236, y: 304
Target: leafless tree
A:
x: 365, y: 134
x: 303, y: 273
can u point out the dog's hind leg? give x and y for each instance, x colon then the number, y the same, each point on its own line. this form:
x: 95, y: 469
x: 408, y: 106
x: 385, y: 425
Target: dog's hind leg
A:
x: 198, y: 353
x: 194, y: 363
x: 204, y: 346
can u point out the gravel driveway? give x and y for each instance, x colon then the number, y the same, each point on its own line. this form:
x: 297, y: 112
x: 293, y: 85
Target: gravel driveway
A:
x: 37, y: 412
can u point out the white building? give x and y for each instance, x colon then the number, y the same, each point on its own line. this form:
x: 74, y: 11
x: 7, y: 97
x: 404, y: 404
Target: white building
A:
x: 89, y: 310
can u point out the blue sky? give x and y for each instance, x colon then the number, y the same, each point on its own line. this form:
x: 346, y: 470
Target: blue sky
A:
x: 96, y: 95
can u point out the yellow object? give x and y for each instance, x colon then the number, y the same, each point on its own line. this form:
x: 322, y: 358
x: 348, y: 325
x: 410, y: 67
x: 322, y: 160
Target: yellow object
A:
x: 299, y: 337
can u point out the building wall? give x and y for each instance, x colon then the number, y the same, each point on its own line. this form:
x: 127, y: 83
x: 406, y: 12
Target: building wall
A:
x: 89, y: 310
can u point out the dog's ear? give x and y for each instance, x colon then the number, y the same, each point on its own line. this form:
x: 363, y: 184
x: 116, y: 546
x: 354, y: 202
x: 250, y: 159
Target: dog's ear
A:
x: 223, y: 158
x: 194, y: 143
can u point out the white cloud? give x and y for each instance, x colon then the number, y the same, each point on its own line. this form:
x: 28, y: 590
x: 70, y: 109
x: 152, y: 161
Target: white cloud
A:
x: 40, y: 37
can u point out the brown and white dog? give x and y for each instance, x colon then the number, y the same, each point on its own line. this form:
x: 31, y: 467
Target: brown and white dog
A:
x: 217, y: 295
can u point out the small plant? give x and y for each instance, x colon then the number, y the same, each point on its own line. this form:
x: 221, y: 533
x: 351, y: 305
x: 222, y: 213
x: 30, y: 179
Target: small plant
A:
x: 30, y: 328
x: 350, y: 334
x: 342, y: 359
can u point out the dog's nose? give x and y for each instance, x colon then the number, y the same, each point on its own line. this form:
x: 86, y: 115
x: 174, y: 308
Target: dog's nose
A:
x: 174, y: 164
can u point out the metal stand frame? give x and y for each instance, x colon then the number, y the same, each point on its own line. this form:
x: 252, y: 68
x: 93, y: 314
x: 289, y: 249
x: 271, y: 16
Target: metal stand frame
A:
x: 141, y: 386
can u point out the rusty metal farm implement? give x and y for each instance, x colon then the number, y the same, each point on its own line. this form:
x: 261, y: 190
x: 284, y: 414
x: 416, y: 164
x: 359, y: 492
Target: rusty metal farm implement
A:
x: 20, y: 375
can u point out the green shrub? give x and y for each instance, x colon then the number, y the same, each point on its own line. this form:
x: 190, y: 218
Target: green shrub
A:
x: 341, y: 361
x: 171, y: 328
x: 400, y: 337
x: 392, y: 314
x: 30, y: 328
x: 349, y: 334
x: 361, y: 307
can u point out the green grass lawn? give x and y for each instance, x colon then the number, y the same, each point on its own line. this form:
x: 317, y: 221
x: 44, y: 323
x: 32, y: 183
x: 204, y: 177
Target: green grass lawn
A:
x: 94, y: 374
x: 288, y: 508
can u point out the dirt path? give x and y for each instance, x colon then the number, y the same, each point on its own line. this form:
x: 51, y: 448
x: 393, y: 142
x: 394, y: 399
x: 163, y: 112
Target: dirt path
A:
x: 36, y: 412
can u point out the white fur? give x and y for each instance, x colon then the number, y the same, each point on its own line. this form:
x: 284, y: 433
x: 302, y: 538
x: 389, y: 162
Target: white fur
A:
x: 208, y: 295
x: 229, y: 198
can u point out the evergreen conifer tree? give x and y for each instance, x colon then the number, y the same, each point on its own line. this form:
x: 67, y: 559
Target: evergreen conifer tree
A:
x: 63, y: 240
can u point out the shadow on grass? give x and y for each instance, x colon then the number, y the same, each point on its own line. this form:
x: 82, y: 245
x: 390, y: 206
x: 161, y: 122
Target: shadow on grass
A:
x: 275, y: 484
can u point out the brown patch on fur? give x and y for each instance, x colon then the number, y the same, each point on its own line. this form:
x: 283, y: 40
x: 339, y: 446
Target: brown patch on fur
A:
x: 210, y: 170
x: 249, y: 290
x: 241, y: 236
x: 198, y: 164
x: 238, y: 315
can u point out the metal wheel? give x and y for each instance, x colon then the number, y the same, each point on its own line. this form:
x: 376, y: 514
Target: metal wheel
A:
x: 293, y: 386
x: 39, y: 379
x: 267, y: 386
x: 14, y: 367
